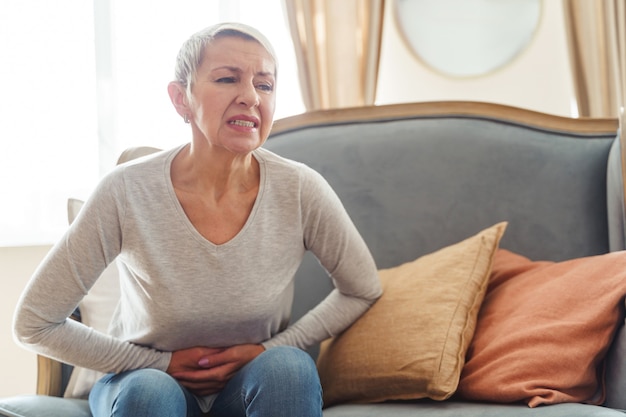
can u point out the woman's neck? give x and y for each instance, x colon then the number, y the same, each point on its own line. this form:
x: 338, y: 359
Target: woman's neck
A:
x: 215, y: 171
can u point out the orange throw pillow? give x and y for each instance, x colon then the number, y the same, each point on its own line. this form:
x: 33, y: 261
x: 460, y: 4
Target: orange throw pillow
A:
x: 543, y: 330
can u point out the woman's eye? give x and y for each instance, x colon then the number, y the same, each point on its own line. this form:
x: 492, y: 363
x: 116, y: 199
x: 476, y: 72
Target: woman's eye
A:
x: 265, y: 87
x: 226, y: 80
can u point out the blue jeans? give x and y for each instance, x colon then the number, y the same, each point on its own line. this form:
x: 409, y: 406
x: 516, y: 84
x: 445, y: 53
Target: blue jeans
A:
x: 281, y: 382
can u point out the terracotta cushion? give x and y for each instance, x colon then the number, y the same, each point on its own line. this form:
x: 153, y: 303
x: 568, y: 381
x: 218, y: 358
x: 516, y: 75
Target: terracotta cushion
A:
x: 544, y: 329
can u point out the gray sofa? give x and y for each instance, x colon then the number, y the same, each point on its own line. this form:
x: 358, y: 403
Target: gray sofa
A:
x: 418, y: 177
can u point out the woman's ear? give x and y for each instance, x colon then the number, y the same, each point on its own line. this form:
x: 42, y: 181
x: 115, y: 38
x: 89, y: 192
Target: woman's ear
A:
x: 178, y: 96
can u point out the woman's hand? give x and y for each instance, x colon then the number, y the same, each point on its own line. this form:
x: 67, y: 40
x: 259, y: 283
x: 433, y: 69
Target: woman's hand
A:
x: 206, y: 371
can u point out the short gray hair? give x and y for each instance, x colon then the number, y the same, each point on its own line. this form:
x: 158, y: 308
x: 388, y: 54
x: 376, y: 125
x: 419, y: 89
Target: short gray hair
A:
x: 192, y: 51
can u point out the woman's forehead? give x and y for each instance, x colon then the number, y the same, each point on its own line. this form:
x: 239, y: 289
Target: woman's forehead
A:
x: 237, y: 51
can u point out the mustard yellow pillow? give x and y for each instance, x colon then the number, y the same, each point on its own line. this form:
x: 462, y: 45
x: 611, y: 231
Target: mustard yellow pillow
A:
x: 411, y: 344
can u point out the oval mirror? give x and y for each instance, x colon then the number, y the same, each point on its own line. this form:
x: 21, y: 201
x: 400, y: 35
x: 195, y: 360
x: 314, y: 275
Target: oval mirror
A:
x: 465, y: 38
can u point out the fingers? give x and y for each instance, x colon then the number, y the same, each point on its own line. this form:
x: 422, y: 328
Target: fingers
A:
x: 206, y: 381
x: 219, y: 374
x: 203, y: 388
x: 187, y: 359
x: 215, y: 359
x: 240, y: 354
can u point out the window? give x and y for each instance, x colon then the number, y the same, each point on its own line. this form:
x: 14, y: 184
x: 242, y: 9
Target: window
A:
x: 84, y: 80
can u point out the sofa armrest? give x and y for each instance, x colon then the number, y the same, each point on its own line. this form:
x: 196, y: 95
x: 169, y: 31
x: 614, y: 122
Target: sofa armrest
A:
x: 49, y: 377
x: 616, y: 197
x: 50, y: 374
x: 135, y: 152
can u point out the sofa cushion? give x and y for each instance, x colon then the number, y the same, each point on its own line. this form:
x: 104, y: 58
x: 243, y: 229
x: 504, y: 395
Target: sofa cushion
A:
x: 43, y: 406
x: 544, y: 329
x: 411, y: 344
x: 425, y: 408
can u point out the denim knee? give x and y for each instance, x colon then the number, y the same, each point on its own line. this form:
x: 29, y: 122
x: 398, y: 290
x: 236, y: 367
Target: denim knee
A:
x: 280, y: 382
x: 143, y: 392
x: 289, y: 375
x: 289, y: 362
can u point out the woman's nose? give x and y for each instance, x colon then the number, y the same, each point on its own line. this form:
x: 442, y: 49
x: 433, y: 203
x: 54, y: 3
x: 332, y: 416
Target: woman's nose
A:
x: 248, y: 95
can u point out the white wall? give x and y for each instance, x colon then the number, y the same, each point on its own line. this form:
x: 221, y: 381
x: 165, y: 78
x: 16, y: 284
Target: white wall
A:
x: 18, y: 367
x: 538, y: 79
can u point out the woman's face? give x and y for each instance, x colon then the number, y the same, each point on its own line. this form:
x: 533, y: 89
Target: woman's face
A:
x: 232, y: 97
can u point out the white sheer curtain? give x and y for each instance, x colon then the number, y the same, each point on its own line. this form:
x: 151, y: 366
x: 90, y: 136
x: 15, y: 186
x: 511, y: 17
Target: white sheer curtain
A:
x: 83, y: 80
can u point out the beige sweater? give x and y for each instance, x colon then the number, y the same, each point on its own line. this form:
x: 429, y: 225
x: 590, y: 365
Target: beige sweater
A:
x: 180, y: 290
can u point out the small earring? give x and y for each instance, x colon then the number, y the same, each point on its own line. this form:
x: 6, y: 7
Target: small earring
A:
x: 186, y: 118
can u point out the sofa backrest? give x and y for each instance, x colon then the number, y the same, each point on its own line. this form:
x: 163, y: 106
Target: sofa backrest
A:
x: 418, y: 177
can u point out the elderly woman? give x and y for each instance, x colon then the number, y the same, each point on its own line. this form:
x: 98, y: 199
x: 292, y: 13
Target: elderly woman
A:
x: 208, y: 237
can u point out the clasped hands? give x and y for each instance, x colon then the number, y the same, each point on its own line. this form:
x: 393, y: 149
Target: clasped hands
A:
x: 205, y: 371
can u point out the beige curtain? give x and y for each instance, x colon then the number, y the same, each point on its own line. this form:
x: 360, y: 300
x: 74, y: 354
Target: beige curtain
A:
x: 337, y: 44
x: 596, y: 32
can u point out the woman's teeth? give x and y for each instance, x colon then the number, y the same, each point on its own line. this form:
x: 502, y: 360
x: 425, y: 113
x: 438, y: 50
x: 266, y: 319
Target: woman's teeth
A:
x: 243, y: 123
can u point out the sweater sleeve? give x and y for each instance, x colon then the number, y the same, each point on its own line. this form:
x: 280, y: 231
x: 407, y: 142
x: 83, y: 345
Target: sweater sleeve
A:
x: 331, y: 236
x: 41, y: 320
